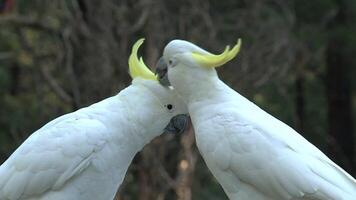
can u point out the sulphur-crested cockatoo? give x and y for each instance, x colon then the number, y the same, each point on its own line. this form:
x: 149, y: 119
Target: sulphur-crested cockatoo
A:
x: 84, y: 155
x: 253, y: 155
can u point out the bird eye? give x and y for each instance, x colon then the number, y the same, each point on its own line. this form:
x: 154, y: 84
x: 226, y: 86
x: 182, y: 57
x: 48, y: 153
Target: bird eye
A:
x: 172, y: 62
x: 169, y: 106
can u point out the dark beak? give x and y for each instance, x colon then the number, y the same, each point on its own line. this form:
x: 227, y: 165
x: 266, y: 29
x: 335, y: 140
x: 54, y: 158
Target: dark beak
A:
x: 161, y: 71
x: 178, y: 124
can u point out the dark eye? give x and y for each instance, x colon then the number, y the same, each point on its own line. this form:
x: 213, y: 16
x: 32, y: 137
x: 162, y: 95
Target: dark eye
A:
x: 170, y: 62
x: 169, y: 106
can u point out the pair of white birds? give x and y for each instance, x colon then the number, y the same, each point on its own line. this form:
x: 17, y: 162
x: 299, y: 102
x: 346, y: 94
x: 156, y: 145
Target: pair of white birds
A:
x: 84, y: 155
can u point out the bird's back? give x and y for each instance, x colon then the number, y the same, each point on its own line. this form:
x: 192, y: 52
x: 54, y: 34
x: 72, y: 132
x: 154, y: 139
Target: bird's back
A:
x: 71, y: 157
x: 255, y: 156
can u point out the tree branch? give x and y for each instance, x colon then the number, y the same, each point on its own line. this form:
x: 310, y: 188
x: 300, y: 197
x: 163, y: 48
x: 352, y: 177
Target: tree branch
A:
x: 61, y: 93
x: 26, y: 21
x: 6, y: 55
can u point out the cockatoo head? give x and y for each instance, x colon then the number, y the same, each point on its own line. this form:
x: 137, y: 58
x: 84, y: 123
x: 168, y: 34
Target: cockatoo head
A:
x: 164, y: 110
x: 182, y: 62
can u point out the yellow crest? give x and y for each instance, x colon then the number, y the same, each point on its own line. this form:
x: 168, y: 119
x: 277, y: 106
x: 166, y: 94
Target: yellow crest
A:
x: 137, y: 67
x: 212, y: 60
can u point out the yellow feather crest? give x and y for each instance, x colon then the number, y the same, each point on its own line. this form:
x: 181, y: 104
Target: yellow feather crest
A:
x: 137, y: 67
x: 212, y: 60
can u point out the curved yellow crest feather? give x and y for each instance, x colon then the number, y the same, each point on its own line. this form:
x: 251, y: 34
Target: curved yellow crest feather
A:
x: 212, y: 60
x: 137, y: 67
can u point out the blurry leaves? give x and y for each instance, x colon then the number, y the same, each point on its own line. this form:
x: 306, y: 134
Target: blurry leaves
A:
x: 4, y: 80
x: 316, y: 11
x: 25, y: 58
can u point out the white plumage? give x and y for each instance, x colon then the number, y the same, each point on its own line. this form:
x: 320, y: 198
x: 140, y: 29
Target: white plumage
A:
x: 253, y: 155
x: 84, y: 155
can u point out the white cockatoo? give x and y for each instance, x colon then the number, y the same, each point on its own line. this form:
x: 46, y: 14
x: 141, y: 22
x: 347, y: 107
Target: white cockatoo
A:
x: 84, y: 155
x: 253, y: 155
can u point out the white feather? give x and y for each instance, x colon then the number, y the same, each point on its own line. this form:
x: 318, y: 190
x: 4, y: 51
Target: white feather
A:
x: 265, y: 155
x: 84, y: 155
x: 253, y: 155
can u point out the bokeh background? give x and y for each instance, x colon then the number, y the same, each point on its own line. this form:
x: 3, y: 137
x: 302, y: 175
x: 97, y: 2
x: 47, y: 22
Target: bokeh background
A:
x: 298, y: 62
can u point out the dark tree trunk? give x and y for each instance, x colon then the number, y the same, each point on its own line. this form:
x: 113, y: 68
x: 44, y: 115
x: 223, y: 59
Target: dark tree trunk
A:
x: 339, y: 106
x: 299, y: 103
x: 15, y: 79
x: 339, y: 63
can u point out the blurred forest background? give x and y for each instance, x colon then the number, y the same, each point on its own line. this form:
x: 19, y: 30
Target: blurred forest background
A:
x: 298, y: 62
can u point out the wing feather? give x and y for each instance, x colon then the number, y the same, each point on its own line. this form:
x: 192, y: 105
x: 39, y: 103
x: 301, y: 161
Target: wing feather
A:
x: 267, y: 156
x: 51, y: 156
x: 286, y: 162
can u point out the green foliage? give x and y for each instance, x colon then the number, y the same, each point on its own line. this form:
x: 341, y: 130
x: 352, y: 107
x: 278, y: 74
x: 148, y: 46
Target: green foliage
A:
x: 314, y: 12
x: 4, y: 80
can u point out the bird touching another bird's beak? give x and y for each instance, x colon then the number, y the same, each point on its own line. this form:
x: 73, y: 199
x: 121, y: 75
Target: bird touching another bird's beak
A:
x: 162, y: 72
x: 178, y: 124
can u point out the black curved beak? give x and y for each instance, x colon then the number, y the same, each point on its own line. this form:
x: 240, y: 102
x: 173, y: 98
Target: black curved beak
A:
x: 162, y: 72
x: 178, y: 124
